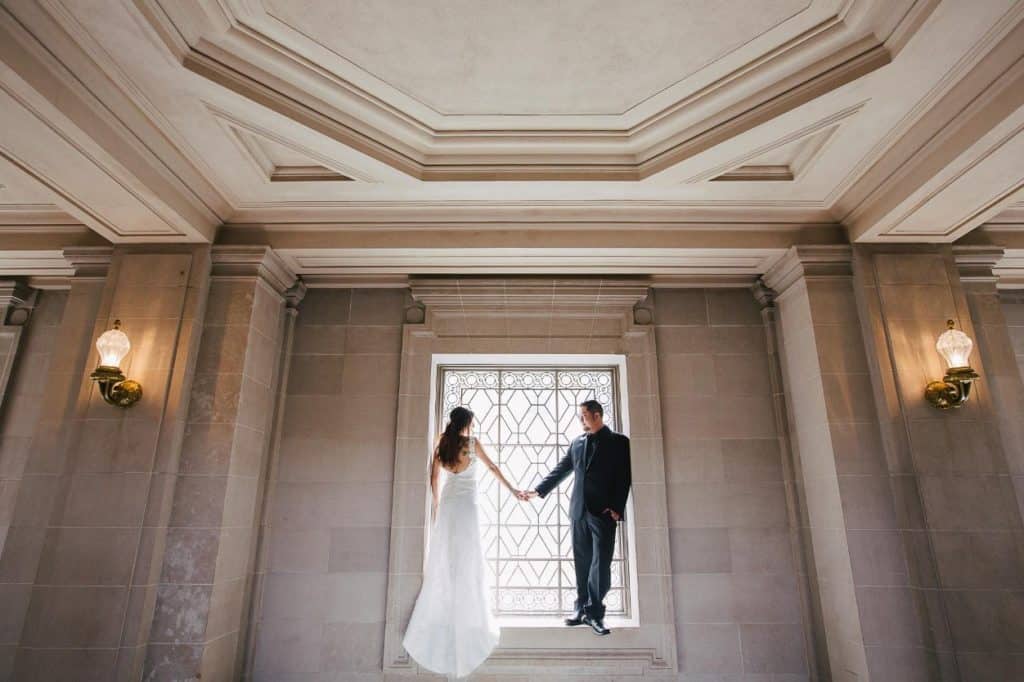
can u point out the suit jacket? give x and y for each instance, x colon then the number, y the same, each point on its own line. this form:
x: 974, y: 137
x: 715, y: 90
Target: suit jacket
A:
x: 604, y: 484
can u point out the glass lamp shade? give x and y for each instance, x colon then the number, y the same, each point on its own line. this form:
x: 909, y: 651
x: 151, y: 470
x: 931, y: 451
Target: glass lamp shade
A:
x: 113, y: 345
x: 955, y: 347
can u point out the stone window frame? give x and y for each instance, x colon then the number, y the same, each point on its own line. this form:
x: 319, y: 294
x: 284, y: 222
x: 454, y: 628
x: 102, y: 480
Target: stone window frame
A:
x: 648, y: 646
x: 618, y: 361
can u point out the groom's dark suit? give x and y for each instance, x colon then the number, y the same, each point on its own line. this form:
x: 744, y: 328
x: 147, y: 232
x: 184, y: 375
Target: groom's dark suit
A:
x: 600, y: 463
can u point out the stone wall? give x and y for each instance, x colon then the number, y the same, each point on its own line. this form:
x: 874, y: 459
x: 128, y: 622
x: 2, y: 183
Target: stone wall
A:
x: 322, y: 606
x: 24, y: 398
x: 737, y: 597
x: 1013, y: 309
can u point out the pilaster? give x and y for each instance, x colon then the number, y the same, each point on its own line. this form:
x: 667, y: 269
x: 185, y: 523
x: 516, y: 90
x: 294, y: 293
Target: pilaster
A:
x: 869, y: 607
x: 213, y: 516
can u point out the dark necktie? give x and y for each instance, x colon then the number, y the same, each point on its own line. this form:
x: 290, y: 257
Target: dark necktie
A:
x: 591, y: 444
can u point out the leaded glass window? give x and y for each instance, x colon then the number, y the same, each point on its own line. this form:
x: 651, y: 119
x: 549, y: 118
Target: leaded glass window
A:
x: 525, y: 418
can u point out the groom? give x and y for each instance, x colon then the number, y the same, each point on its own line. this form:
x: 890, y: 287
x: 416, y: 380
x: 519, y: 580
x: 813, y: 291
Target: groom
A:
x: 600, y: 461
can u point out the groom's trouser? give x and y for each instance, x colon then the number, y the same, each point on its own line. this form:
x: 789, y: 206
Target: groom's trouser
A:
x: 593, y: 542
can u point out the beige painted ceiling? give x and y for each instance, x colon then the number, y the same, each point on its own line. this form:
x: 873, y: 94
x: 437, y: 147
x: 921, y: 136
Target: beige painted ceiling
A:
x: 533, y: 57
x: 326, y: 125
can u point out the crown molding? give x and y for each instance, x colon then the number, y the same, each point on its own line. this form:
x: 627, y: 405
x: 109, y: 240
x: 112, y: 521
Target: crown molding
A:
x: 786, y: 214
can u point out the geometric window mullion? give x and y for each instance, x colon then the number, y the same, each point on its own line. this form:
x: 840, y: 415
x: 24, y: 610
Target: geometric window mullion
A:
x: 526, y: 417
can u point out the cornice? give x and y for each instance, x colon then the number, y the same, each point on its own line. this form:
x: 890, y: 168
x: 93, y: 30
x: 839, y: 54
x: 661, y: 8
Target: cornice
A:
x: 810, y: 262
x: 533, y: 295
x: 398, y: 260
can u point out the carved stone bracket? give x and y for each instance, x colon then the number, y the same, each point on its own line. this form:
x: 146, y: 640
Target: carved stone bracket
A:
x: 16, y: 302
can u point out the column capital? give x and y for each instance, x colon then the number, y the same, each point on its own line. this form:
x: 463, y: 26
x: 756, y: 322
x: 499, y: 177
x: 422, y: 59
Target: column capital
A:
x: 294, y: 294
x: 247, y: 262
x: 978, y: 263
x: 763, y: 294
x: 807, y: 262
x: 89, y: 262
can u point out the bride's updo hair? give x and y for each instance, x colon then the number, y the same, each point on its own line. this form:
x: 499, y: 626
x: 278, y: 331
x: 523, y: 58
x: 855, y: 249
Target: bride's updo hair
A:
x: 452, y: 441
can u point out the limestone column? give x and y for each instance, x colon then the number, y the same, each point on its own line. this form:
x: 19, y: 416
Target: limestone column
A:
x: 868, y: 599
x: 795, y: 506
x: 961, y: 461
x: 995, y: 346
x: 16, y: 417
x: 212, y: 518
x: 42, y: 439
x: 16, y: 301
x: 78, y: 535
x: 293, y: 297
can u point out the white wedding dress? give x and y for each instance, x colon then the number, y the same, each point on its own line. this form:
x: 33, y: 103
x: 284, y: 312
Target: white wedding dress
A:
x: 452, y: 629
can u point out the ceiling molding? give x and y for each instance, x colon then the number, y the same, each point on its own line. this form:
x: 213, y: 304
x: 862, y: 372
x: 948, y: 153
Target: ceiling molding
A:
x: 645, y: 261
x: 232, y: 45
x: 873, y: 168
x: 24, y: 263
x: 927, y: 184
x: 1010, y: 269
x: 799, y: 149
x: 258, y: 146
x: 52, y: 124
x: 966, y: 172
x: 537, y: 212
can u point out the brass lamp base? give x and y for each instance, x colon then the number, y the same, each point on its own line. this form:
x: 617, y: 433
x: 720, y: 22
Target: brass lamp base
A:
x: 953, y: 390
x: 115, y: 388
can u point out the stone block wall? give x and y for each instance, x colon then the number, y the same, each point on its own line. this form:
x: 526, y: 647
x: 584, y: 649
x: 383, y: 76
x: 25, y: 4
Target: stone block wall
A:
x: 736, y: 584
x: 322, y: 608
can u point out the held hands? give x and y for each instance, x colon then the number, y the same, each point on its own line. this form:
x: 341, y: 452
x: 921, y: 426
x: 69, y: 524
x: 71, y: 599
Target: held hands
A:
x: 614, y: 514
x: 524, y: 495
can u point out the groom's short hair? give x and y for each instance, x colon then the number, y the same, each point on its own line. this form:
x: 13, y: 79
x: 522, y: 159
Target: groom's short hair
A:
x: 593, y: 407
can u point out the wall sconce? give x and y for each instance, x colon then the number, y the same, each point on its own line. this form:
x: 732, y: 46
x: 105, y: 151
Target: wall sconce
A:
x: 954, y: 389
x: 113, y: 345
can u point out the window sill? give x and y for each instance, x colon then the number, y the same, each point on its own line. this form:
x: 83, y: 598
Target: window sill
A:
x: 558, y: 622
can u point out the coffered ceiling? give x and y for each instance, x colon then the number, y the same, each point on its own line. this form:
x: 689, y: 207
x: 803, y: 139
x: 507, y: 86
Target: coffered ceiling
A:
x: 725, y: 129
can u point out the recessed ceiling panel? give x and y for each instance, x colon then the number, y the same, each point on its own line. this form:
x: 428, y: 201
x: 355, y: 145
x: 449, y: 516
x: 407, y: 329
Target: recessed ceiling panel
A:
x: 531, y: 57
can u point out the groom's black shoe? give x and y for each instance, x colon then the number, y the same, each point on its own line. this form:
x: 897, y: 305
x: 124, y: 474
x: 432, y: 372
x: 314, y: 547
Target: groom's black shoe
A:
x: 596, y: 624
x: 578, y: 619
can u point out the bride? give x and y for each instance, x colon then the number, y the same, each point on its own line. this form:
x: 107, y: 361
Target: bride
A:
x: 452, y: 628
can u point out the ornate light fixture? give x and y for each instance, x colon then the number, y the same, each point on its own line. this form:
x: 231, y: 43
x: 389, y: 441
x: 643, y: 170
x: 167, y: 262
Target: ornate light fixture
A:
x: 954, y: 389
x: 113, y: 345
